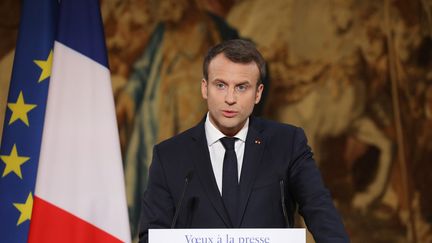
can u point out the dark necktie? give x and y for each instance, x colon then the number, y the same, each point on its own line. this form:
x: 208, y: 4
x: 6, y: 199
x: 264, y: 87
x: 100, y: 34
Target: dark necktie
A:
x: 230, y: 178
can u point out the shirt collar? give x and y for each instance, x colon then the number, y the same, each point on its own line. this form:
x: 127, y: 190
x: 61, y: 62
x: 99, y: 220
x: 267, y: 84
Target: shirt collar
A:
x: 213, y: 134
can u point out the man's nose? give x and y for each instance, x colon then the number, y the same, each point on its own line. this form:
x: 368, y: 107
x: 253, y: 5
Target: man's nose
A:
x: 230, y: 97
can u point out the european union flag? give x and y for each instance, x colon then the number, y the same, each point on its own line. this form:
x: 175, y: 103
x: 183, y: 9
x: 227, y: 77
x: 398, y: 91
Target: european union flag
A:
x: 24, y: 118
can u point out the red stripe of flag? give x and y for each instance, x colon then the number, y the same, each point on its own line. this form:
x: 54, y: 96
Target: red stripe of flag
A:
x: 53, y: 224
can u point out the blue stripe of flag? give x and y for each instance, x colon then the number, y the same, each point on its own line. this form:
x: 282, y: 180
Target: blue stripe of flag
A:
x: 84, y: 34
x: 35, y: 41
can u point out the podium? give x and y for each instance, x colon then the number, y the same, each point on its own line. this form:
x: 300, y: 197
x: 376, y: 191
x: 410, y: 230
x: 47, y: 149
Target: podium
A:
x: 242, y: 235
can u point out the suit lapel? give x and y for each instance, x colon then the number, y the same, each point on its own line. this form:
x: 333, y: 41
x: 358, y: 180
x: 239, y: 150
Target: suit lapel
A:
x: 253, y: 153
x: 201, y: 159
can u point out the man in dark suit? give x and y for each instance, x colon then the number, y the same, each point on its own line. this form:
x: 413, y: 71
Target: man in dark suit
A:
x: 234, y: 170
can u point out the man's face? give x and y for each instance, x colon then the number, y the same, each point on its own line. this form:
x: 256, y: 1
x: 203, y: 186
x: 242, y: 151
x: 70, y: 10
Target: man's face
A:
x: 231, y: 92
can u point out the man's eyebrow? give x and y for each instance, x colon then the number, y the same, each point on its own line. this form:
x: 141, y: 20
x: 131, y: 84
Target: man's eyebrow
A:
x: 218, y: 80
x: 240, y: 83
x: 244, y: 82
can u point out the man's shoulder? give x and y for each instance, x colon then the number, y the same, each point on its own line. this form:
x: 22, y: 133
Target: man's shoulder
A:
x: 277, y: 132
x: 272, y: 126
x: 182, y: 138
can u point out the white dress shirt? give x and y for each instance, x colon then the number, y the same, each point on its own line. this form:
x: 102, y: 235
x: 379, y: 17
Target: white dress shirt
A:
x: 217, y: 150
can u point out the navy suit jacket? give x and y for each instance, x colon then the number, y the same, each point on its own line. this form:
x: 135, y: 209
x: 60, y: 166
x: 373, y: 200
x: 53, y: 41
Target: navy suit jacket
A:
x: 273, y: 152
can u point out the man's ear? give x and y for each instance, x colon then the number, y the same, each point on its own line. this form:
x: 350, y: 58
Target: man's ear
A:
x: 259, y: 93
x: 204, y: 86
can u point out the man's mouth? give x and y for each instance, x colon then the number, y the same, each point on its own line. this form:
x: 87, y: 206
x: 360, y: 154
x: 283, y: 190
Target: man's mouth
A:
x: 229, y: 113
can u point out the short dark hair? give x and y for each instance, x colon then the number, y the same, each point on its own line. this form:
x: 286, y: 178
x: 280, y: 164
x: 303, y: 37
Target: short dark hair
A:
x: 238, y: 51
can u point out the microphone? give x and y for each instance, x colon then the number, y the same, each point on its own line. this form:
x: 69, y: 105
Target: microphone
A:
x: 284, y: 209
x: 185, y: 185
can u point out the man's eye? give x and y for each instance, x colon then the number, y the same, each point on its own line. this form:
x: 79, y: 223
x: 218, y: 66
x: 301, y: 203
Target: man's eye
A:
x: 220, y: 85
x: 242, y: 87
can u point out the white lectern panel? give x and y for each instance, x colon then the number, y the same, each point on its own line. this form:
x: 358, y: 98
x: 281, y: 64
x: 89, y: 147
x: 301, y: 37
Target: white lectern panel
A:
x: 227, y: 235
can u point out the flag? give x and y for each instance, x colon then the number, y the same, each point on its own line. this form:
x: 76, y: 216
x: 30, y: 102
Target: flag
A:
x: 80, y: 194
x: 24, y: 118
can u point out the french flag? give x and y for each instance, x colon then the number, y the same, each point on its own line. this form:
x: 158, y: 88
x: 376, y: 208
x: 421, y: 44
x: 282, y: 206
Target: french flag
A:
x: 80, y: 193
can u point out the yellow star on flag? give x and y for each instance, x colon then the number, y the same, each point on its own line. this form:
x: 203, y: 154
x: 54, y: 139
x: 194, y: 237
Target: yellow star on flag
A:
x: 45, y: 65
x: 25, y: 209
x: 13, y: 162
x: 20, y: 110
